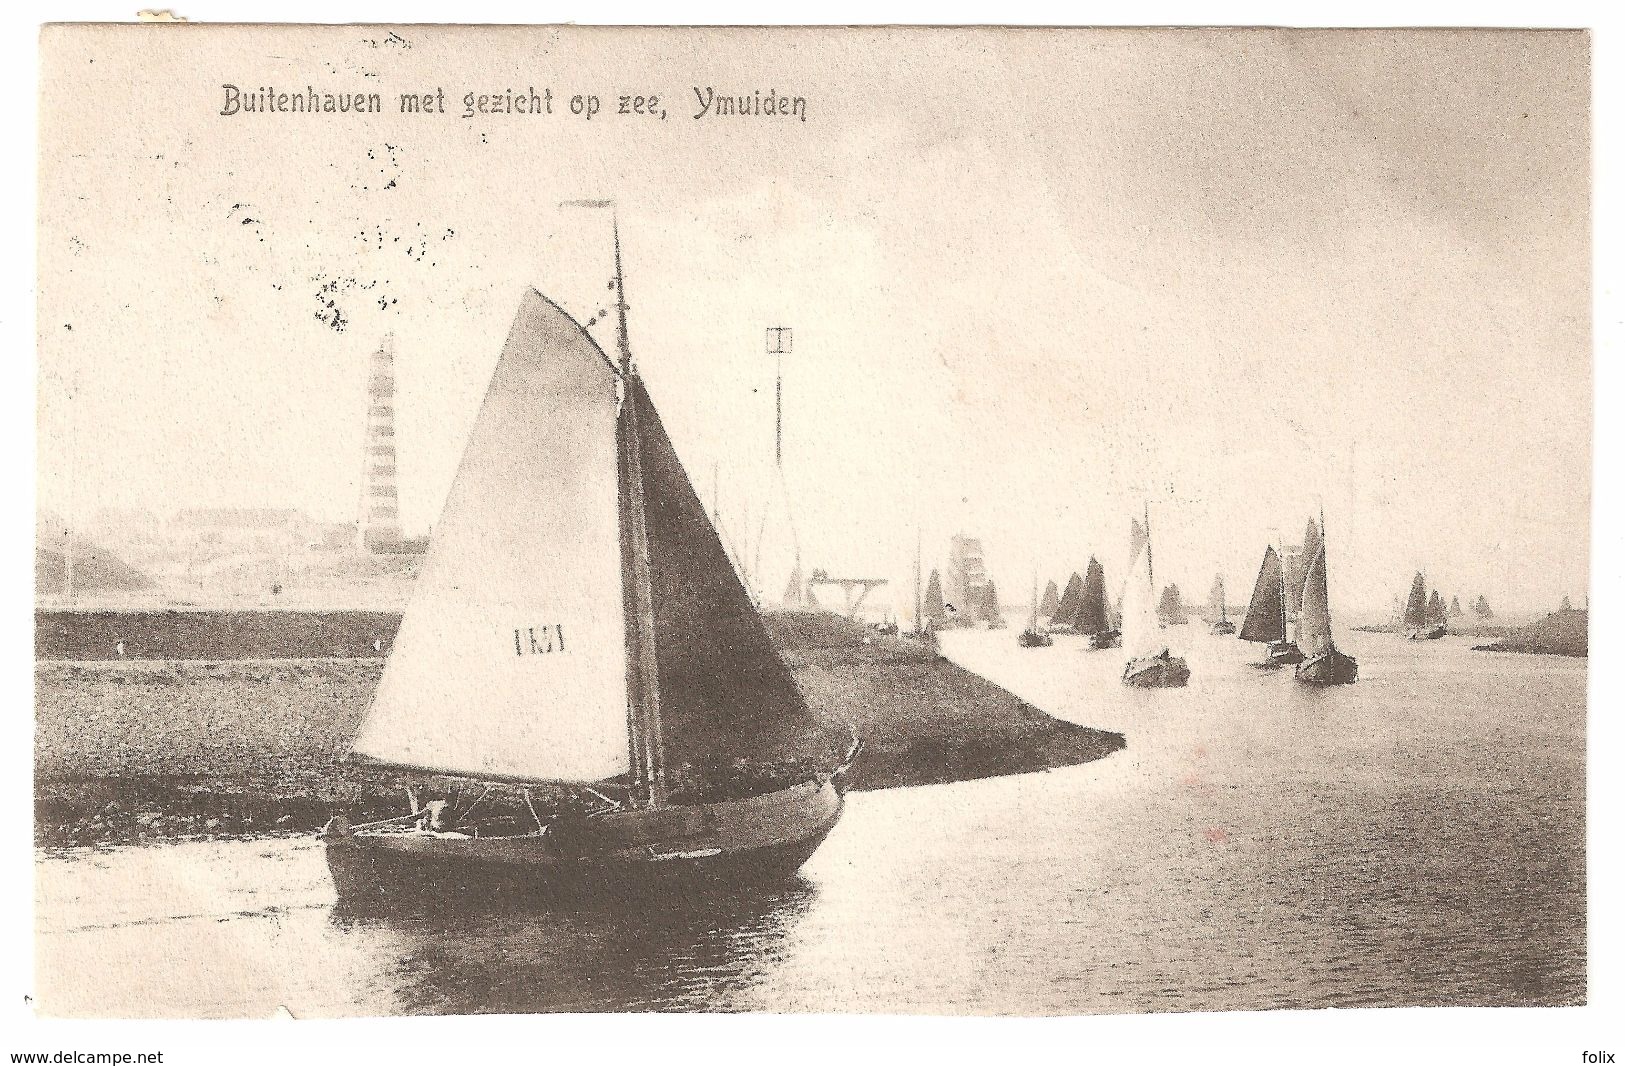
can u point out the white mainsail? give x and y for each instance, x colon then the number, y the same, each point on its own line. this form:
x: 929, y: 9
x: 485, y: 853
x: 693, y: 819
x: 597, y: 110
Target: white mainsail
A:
x: 1142, y: 633
x: 511, y: 658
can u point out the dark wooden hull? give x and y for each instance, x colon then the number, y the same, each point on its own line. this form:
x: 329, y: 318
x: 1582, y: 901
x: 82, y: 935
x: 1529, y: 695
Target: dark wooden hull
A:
x: 1328, y: 668
x: 1282, y: 653
x: 1031, y: 638
x: 1223, y: 629
x: 1158, y: 671
x: 720, y: 845
x: 1430, y: 633
x: 1109, y: 639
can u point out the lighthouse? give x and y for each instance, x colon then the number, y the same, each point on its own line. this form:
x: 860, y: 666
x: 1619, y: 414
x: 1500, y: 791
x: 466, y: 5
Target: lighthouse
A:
x: 378, y: 528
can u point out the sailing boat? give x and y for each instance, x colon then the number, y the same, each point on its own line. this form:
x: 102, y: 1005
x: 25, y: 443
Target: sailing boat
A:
x: 1051, y: 600
x: 1035, y: 636
x: 1150, y: 664
x: 1223, y: 627
x: 1437, y: 614
x: 1066, y: 612
x: 1323, y: 664
x: 1417, y: 626
x: 577, y: 623
x: 991, y: 614
x: 1266, y: 614
x: 1091, y: 618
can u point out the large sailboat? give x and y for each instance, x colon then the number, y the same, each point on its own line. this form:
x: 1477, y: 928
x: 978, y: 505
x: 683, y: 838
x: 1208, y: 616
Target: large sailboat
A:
x: 577, y: 626
x: 1417, y: 623
x: 1322, y: 663
x: 1266, y: 621
x: 1150, y: 662
x: 1222, y: 626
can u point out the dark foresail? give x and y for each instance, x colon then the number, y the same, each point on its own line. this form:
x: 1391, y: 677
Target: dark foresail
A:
x: 1266, y: 621
x: 724, y: 692
x: 1416, y: 607
x: 990, y: 604
x: 1052, y: 600
x: 1437, y: 613
x: 1091, y: 616
x: 1066, y: 612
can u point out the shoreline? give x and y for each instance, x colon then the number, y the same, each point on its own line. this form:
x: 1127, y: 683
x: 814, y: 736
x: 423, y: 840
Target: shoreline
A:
x: 148, y: 750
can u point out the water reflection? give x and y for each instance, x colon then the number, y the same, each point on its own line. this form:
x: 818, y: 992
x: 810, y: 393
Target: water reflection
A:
x: 699, y: 951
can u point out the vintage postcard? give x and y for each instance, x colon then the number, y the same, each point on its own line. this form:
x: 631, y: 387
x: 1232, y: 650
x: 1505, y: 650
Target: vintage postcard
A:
x: 957, y: 521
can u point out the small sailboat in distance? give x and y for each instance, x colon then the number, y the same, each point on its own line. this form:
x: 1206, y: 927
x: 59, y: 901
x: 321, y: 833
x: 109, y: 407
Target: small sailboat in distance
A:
x: 577, y: 626
x: 1417, y: 625
x: 1266, y: 614
x: 1066, y: 611
x: 992, y: 613
x: 1093, y: 618
x: 1322, y: 664
x: 1222, y: 626
x: 1035, y: 636
x: 1051, y: 600
x: 1150, y: 662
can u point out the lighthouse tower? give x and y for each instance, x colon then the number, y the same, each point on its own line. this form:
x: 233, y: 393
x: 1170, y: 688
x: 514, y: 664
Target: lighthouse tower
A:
x: 378, y: 528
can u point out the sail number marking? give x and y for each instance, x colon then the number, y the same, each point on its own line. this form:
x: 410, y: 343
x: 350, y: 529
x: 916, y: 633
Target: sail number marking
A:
x: 538, y: 640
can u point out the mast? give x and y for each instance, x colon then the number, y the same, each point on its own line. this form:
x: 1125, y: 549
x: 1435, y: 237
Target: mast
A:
x: 1283, y: 592
x: 1323, y: 550
x: 917, y: 542
x: 643, y: 681
x: 1150, y: 572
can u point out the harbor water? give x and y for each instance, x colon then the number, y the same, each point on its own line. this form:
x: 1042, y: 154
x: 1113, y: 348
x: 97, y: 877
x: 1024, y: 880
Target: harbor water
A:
x: 1414, y: 839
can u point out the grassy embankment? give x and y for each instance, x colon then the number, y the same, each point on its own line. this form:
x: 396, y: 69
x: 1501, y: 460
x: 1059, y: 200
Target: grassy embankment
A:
x: 1559, y: 633
x: 149, y: 749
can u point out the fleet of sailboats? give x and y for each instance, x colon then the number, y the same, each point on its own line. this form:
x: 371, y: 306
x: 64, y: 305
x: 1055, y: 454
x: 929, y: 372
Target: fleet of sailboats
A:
x: 579, y: 624
x: 1421, y: 620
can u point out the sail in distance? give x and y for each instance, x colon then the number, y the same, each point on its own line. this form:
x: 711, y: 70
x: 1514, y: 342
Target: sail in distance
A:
x: 1266, y: 612
x: 1417, y: 605
x: 1315, y: 624
x: 1052, y: 600
x: 1142, y: 632
x: 1091, y: 613
x: 1066, y: 612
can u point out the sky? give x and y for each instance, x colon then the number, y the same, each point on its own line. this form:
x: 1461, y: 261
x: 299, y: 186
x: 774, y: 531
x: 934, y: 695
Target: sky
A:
x: 1040, y: 282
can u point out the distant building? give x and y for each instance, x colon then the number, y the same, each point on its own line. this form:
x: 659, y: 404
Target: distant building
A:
x: 204, y: 531
x: 967, y: 576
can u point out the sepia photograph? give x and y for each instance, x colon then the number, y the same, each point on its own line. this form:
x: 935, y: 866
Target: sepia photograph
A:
x: 957, y: 521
